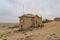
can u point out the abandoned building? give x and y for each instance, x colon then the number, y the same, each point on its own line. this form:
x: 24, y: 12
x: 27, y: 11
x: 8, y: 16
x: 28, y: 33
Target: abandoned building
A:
x: 28, y: 20
x: 57, y: 19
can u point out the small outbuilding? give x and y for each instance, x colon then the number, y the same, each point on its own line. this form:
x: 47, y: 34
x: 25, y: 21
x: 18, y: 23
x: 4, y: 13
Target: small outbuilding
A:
x: 27, y: 21
x: 57, y: 19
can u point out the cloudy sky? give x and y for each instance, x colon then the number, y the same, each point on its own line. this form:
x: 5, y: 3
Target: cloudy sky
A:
x: 10, y: 10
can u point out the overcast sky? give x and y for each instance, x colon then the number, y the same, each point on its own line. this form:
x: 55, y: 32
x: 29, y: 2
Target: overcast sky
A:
x: 10, y: 10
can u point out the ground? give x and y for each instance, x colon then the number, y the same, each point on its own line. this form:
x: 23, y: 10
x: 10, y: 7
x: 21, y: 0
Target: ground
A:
x: 50, y: 31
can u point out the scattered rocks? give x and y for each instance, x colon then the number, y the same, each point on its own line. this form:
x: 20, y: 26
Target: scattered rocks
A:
x: 53, y: 37
x: 4, y: 35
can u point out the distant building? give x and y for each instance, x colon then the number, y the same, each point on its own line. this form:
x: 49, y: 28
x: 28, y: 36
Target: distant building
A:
x: 46, y: 21
x: 57, y: 19
x: 28, y: 20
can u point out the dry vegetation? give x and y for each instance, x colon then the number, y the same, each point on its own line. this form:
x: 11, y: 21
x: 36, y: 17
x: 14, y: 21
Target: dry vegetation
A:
x: 50, y: 31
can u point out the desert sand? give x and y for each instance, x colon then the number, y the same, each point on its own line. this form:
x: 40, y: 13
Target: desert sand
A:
x: 50, y: 31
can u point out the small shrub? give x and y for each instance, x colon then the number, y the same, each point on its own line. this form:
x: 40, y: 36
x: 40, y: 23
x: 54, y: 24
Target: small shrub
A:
x: 4, y: 39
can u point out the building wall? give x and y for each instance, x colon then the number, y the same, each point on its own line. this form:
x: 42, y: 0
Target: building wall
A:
x: 26, y: 22
x: 56, y: 19
x: 37, y: 21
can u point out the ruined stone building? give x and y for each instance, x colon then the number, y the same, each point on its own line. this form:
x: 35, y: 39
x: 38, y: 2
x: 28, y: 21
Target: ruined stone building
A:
x: 28, y: 20
x: 57, y: 19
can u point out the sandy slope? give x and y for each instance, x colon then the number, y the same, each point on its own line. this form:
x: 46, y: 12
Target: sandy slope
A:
x: 50, y: 31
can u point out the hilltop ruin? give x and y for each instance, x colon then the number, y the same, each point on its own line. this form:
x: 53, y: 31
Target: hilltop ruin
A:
x: 27, y: 21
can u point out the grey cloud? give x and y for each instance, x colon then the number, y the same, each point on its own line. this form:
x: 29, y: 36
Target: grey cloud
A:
x: 14, y: 8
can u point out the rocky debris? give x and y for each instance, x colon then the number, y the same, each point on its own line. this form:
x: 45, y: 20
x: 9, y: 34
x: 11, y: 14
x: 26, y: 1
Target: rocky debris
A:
x: 53, y: 37
x: 5, y: 34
